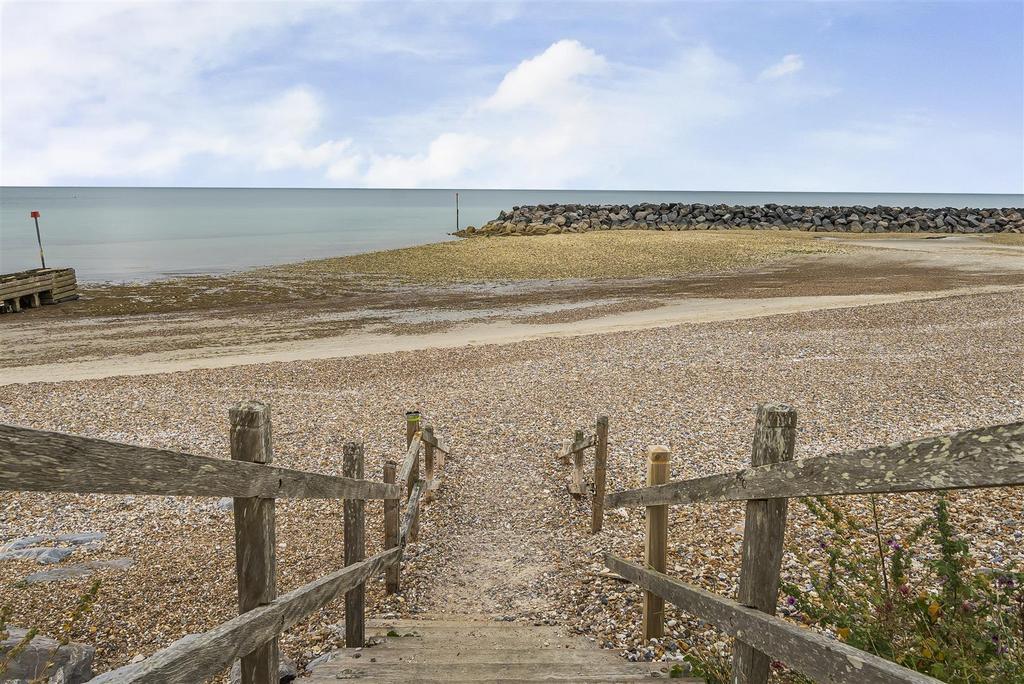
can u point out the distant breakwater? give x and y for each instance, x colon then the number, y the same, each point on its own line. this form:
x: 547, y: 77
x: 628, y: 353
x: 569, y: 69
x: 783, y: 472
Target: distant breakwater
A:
x: 547, y: 219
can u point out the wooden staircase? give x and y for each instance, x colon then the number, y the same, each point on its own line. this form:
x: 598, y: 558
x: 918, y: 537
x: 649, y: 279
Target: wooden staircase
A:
x: 477, y: 649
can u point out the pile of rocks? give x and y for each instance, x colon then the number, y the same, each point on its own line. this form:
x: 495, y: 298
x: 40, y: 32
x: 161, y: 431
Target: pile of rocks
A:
x: 547, y: 219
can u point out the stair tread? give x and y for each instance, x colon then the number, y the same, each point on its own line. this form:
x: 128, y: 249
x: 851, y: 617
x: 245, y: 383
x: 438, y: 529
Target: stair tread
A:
x: 490, y: 671
x: 388, y: 654
x: 479, y: 650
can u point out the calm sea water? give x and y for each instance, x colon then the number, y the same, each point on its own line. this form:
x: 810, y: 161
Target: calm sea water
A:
x: 147, y: 233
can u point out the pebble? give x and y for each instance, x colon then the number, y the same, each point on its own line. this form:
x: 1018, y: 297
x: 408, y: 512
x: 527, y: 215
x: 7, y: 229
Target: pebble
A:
x: 502, y: 537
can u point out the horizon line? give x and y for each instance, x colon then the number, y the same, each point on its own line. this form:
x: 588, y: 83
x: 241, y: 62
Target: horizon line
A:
x: 466, y: 189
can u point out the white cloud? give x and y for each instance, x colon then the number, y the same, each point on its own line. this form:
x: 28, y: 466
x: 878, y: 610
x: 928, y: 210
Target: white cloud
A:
x: 448, y: 156
x: 570, y: 117
x: 550, y: 75
x: 790, y: 64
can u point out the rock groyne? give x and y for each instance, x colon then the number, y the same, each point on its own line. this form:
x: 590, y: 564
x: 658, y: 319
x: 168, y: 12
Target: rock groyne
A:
x: 546, y: 219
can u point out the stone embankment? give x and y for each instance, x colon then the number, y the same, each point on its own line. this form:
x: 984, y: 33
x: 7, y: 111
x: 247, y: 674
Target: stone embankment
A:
x: 546, y: 219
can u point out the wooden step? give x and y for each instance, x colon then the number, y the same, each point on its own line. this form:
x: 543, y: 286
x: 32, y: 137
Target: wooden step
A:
x: 496, y: 671
x: 479, y: 650
x: 469, y: 654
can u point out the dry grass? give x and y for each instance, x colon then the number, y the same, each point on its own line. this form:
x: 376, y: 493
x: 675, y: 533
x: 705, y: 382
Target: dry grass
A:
x: 613, y: 254
x: 1013, y: 239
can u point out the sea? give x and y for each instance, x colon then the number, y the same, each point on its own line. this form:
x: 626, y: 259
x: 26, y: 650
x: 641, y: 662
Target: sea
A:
x: 141, y: 234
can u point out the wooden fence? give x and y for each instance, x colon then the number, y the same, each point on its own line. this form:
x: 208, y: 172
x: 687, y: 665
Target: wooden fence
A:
x: 986, y: 457
x: 36, y: 460
x: 573, y: 453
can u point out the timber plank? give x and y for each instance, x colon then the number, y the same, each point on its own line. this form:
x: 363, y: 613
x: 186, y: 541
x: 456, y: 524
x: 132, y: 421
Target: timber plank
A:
x: 412, y: 513
x: 821, y: 658
x: 405, y: 473
x: 196, y: 659
x: 984, y: 457
x: 37, y: 460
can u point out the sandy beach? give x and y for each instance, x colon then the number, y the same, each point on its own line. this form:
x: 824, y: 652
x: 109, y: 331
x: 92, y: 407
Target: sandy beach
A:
x: 872, y: 341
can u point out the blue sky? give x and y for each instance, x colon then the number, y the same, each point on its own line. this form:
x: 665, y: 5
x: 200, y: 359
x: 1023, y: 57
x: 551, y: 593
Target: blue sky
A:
x: 826, y: 96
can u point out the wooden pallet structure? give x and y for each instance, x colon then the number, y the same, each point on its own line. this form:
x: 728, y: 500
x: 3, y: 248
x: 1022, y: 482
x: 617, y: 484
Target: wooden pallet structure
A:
x: 35, y: 287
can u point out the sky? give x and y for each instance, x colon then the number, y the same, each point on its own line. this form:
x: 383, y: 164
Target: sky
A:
x: 807, y: 96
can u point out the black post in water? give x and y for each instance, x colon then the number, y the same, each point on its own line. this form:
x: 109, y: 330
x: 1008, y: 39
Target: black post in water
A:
x: 35, y: 217
x: 456, y: 212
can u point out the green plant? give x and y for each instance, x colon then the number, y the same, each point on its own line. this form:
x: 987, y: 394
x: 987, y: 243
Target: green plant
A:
x: 920, y: 602
x: 14, y: 651
x: 709, y: 666
x: 82, y: 608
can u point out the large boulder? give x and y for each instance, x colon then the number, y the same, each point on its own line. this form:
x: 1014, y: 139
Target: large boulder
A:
x: 45, y: 660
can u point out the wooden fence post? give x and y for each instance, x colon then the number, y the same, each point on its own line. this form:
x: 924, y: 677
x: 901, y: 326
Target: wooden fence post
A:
x: 355, y: 549
x: 255, y: 562
x: 656, y: 547
x: 600, y: 471
x: 576, y: 487
x: 412, y: 425
x: 428, y: 459
x: 763, y: 533
x: 392, y: 574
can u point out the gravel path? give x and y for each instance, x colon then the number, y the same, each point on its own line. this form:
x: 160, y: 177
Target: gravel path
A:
x: 502, y: 536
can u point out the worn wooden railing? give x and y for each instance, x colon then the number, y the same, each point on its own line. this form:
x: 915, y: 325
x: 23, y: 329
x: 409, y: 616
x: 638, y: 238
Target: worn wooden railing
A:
x: 36, y: 460
x: 986, y: 457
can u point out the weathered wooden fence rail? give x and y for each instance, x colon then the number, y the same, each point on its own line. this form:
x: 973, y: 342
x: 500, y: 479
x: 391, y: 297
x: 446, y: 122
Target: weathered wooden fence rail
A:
x: 986, y: 457
x: 36, y: 460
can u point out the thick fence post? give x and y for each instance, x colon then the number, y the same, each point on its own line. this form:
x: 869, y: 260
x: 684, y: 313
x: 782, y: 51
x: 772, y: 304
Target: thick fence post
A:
x: 412, y: 426
x: 428, y: 460
x: 600, y: 472
x: 255, y: 563
x: 763, y: 533
x: 392, y: 574
x: 576, y: 487
x: 355, y: 549
x: 656, y: 547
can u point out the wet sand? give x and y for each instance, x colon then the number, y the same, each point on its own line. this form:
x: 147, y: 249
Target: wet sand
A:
x: 360, y: 315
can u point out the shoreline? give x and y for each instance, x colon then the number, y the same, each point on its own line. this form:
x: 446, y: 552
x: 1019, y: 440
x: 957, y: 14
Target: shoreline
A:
x: 504, y: 332
x: 473, y: 291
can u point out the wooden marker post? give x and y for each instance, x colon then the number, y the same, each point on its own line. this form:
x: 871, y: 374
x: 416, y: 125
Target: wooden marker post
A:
x: 763, y: 533
x: 255, y: 562
x: 393, y: 574
x: 39, y: 239
x: 656, y: 547
x: 600, y: 472
x: 355, y: 549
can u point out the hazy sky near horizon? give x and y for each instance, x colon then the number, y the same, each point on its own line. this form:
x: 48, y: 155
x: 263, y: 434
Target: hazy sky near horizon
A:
x: 807, y: 96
